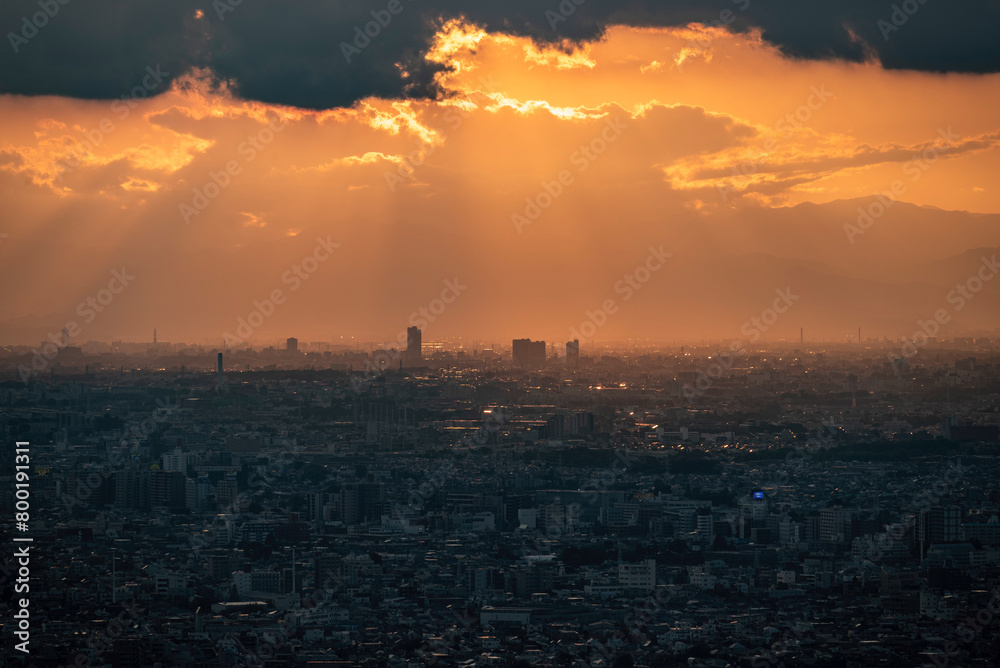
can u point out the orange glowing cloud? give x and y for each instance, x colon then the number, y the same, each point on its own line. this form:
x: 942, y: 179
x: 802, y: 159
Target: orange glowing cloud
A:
x: 537, y: 166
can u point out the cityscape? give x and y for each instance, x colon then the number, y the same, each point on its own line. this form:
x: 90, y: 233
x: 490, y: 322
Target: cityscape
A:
x: 696, y: 506
x: 524, y: 334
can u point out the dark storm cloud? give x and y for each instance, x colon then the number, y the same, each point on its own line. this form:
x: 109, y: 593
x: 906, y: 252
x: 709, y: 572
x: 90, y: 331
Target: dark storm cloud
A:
x: 291, y: 53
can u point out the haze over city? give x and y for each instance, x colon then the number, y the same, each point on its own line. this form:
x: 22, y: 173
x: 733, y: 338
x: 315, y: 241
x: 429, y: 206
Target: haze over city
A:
x: 388, y: 334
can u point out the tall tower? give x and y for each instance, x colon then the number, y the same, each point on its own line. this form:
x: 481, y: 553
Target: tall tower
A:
x: 292, y: 345
x: 414, y: 345
x: 573, y: 353
x: 219, y: 382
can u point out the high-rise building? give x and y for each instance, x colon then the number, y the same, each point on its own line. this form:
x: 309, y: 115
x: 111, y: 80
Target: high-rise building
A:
x: 226, y: 490
x: 292, y: 345
x: 317, y: 507
x: 641, y: 576
x: 175, y: 461
x: 835, y: 524
x: 940, y: 524
x: 196, y: 493
x: 132, y: 489
x: 257, y: 581
x: 483, y: 578
x: 362, y: 502
x: 573, y: 352
x: 529, y: 353
x: 81, y: 485
x: 752, y: 515
x: 414, y: 342
x: 555, y: 426
x: 705, y: 526
x: 167, y: 488
x: 219, y: 380
x: 531, y: 579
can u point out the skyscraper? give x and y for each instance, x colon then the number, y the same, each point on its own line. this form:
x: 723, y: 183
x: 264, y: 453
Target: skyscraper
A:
x: 940, y: 524
x: 573, y: 352
x: 167, y: 488
x: 362, y: 502
x: 132, y: 489
x: 414, y: 353
x: 529, y: 353
x: 292, y: 345
x: 219, y: 384
x: 175, y: 461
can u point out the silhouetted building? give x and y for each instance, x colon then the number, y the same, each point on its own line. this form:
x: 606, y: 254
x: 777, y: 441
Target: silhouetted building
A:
x: 226, y: 490
x: 752, y: 517
x: 940, y: 524
x: 175, y: 461
x: 573, y: 352
x: 82, y: 485
x: 835, y: 524
x: 292, y: 345
x: 555, y: 426
x: 529, y: 353
x: 362, y: 502
x: 414, y: 342
x: 531, y: 579
x: 969, y: 433
x: 132, y: 489
x: 167, y: 488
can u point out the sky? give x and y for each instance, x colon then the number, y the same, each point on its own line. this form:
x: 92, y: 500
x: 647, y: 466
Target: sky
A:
x: 669, y: 172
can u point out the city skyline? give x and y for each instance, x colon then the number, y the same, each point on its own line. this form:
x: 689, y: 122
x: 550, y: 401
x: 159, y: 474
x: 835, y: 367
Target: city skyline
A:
x: 395, y: 333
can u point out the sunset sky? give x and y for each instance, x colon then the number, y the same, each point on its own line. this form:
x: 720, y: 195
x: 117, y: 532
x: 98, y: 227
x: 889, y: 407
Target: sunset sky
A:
x: 533, y: 153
